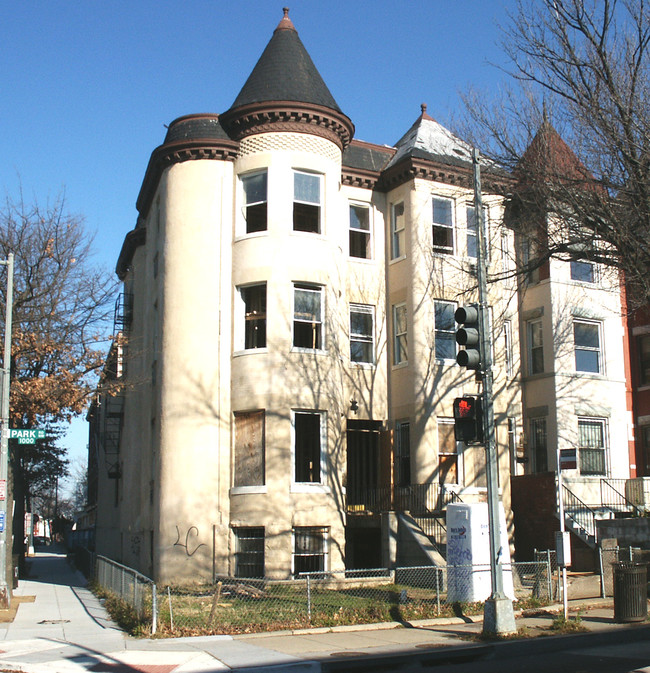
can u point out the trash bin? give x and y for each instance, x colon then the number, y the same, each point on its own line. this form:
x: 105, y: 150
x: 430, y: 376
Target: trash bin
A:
x: 630, y: 591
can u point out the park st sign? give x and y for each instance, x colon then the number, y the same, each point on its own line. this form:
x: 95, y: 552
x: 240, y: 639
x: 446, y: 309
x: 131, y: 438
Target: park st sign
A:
x: 26, y: 436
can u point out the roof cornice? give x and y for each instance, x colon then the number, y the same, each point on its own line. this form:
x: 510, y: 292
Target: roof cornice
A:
x: 176, y: 152
x: 411, y: 168
x: 293, y: 116
x: 134, y: 239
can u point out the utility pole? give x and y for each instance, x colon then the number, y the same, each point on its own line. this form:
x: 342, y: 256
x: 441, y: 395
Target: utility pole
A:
x: 5, y: 591
x: 498, y: 616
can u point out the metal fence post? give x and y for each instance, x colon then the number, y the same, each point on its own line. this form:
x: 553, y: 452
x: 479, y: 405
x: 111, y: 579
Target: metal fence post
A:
x: 308, y: 599
x: 154, y: 609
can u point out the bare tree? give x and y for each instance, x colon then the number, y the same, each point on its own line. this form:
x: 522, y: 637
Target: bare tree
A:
x: 61, y: 306
x: 580, y: 69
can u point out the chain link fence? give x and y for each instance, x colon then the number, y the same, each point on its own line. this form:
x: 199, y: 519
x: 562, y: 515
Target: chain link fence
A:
x: 607, y: 556
x: 233, y: 605
x: 136, y: 590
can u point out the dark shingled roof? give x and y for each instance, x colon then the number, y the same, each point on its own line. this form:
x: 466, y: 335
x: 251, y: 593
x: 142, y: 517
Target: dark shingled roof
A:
x: 191, y: 127
x: 366, y: 157
x: 285, y: 72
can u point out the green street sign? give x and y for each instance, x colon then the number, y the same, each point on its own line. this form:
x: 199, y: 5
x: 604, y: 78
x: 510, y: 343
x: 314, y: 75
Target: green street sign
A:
x: 26, y: 436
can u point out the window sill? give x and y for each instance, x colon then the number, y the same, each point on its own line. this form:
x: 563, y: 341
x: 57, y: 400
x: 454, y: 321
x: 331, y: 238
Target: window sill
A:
x: 309, y: 234
x: 314, y: 351
x: 401, y: 365
x: 394, y: 260
x: 249, y: 351
x: 590, y: 375
x: 253, y: 234
x: 361, y: 260
x: 248, y: 490
x: 309, y: 488
x: 363, y: 365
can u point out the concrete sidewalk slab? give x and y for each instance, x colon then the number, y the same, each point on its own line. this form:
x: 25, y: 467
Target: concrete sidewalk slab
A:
x: 67, y: 630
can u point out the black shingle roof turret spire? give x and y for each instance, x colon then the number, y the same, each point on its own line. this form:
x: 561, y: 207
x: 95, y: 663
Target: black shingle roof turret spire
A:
x: 285, y: 72
x: 285, y: 88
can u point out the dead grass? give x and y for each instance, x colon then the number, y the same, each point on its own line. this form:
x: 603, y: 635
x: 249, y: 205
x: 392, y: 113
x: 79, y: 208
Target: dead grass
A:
x: 8, y: 615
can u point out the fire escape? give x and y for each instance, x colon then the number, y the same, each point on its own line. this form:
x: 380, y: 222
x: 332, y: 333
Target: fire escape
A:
x: 113, y: 397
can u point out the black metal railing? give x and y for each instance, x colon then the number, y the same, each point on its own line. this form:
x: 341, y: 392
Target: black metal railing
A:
x: 612, y: 496
x: 415, y: 498
x: 579, y: 512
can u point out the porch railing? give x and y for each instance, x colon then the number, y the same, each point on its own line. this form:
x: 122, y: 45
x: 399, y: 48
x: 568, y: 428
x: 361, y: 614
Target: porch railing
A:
x: 579, y: 512
x: 612, y: 496
x: 415, y: 498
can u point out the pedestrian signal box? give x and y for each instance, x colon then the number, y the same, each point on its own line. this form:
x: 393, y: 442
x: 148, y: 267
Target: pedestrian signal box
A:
x: 468, y: 420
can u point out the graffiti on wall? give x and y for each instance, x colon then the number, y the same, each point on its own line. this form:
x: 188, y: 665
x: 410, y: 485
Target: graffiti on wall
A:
x: 190, y: 544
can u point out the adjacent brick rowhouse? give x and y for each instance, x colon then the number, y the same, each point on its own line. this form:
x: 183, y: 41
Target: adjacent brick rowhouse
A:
x: 535, y: 520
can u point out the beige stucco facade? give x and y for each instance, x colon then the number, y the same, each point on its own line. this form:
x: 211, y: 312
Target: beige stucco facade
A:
x: 287, y: 355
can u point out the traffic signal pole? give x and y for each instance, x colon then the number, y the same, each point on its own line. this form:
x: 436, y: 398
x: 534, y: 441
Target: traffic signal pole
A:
x: 498, y: 617
x: 5, y: 592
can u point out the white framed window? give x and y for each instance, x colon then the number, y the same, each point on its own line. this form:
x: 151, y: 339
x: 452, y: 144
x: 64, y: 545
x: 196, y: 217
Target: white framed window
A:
x: 592, y: 449
x: 362, y: 333
x: 512, y: 443
x: 445, y: 329
x: 529, y: 260
x: 443, y: 225
x: 255, y: 201
x: 360, y: 232
x: 249, y: 551
x: 584, y: 272
x: 309, y: 440
x: 397, y: 229
x: 249, y: 453
x: 507, y: 265
x: 307, y: 316
x: 507, y: 348
x: 586, y: 338
x: 472, y: 232
x: 448, y: 467
x: 307, y: 188
x: 400, y: 343
x: 310, y: 550
x: 535, y: 347
x: 251, y: 317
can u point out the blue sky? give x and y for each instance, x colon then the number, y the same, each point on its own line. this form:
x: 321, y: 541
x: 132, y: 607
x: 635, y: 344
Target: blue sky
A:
x: 86, y: 88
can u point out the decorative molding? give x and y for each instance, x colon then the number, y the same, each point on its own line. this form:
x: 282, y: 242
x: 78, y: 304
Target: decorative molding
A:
x: 133, y: 240
x: 176, y: 152
x: 292, y: 116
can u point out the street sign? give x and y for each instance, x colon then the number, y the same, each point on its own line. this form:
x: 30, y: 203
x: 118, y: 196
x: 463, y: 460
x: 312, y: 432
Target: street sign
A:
x: 3, y: 489
x: 25, y: 436
x: 568, y: 459
x: 2, y: 521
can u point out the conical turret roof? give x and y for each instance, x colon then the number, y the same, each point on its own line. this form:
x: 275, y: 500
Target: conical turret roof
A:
x: 285, y: 72
x: 285, y: 92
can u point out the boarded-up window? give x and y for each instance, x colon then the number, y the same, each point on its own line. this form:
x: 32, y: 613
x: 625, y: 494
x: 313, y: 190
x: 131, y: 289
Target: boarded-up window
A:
x: 447, y: 452
x: 249, y: 448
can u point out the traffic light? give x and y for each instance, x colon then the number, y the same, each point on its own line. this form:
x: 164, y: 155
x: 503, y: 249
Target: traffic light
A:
x: 468, y: 420
x: 468, y: 335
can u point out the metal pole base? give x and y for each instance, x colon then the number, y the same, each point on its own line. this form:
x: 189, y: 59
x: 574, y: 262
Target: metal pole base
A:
x: 499, y: 617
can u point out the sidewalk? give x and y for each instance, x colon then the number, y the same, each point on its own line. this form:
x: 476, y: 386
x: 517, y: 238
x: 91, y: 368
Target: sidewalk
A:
x: 65, y: 629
